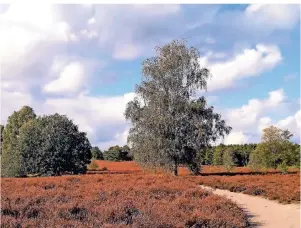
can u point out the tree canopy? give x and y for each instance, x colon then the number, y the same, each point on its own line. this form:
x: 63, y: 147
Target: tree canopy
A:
x: 275, y: 150
x: 169, y: 126
x: 10, y: 157
x: 48, y: 145
x: 53, y: 145
x: 117, y: 153
x: 96, y: 153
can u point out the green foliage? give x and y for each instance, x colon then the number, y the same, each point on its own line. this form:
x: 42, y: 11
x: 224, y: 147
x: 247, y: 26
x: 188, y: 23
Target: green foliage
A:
x: 255, y: 160
x: 283, y: 167
x: 275, y: 150
x: 52, y: 145
x: 93, y: 165
x: 112, y: 155
x: 228, y: 159
x: 206, y: 156
x: 241, y: 154
x: 96, y: 153
x: 169, y: 127
x: 10, y: 159
x: 218, y: 155
x: 117, y: 153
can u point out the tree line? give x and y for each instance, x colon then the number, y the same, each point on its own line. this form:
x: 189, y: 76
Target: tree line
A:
x: 114, y: 153
x: 274, y: 151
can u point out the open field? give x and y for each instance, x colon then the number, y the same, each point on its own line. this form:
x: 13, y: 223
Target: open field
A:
x: 127, y: 196
x: 132, y: 167
x: 272, y: 185
x: 115, y: 201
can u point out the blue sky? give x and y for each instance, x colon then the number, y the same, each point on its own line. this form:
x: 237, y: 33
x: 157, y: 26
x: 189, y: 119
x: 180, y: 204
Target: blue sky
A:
x: 84, y: 61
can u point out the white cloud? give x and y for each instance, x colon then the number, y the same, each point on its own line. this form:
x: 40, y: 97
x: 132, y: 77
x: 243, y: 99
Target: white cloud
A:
x: 29, y: 36
x: 248, y: 63
x: 236, y: 137
x: 272, y: 16
x: 126, y: 51
x: 248, y: 115
x: 11, y: 101
x: 118, y: 139
x: 34, y: 39
x: 101, y: 117
x: 264, y: 122
x: 91, y: 20
x: 71, y: 79
x: 118, y: 31
x: 292, y: 123
x: 248, y: 121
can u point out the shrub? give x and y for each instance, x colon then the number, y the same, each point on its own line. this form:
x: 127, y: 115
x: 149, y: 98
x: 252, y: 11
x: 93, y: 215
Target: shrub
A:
x: 283, y: 168
x: 104, y: 169
x: 228, y: 159
x: 93, y: 165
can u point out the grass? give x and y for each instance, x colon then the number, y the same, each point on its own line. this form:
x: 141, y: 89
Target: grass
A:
x: 115, y: 201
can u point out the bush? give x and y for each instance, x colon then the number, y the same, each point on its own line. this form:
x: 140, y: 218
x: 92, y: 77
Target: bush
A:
x: 93, y: 165
x: 228, y: 159
x: 218, y: 156
x: 283, y: 168
x: 255, y: 163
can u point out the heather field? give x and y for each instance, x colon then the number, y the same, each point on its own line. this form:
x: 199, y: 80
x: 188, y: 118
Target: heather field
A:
x: 125, y: 196
x: 115, y: 200
x: 271, y: 185
x: 283, y: 188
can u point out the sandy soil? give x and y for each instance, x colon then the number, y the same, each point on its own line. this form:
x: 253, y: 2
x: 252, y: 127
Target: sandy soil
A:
x: 263, y: 212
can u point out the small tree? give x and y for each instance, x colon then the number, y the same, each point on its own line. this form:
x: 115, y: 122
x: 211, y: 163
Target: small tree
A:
x: 228, y: 159
x: 93, y: 165
x: 10, y: 159
x: 218, y: 155
x: 255, y: 161
x: 96, y: 153
x: 275, y: 149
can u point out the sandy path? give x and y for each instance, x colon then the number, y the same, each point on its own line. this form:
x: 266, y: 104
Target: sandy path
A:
x: 263, y: 212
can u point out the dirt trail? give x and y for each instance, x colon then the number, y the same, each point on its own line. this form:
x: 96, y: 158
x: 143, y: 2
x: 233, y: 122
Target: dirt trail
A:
x: 263, y: 212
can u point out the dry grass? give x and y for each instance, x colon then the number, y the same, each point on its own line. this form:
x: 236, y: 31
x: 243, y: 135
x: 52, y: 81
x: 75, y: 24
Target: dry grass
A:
x: 272, y: 185
x: 137, y: 199
x: 283, y: 188
x: 115, y: 201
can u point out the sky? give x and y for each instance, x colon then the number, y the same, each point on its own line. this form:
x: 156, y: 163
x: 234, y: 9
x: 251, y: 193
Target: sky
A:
x: 84, y: 61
